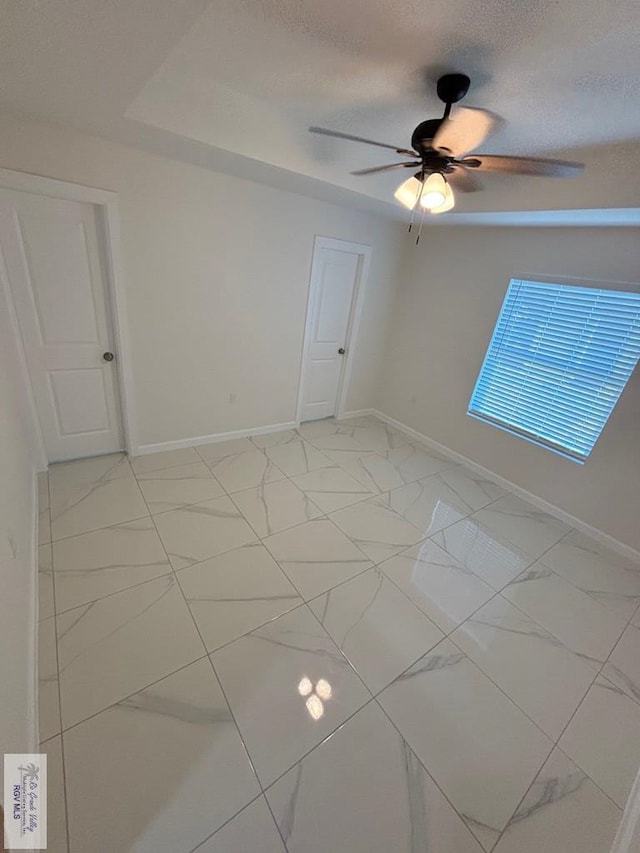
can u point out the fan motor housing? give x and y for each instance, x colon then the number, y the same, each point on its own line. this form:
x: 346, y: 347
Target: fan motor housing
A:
x: 422, y: 136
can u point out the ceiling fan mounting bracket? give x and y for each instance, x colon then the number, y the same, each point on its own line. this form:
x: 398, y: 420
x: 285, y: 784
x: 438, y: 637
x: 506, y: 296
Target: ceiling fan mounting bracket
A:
x: 452, y: 88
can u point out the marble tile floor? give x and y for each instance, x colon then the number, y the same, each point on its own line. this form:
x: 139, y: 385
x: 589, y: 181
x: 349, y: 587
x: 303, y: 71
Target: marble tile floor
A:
x: 328, y: 639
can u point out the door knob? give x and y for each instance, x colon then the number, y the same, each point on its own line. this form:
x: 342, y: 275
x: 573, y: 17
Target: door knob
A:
x: 341, y: 351
x: 107, y: 356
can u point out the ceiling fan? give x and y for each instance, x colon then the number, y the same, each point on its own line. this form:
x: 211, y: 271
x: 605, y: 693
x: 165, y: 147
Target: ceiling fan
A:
x: 440, y: 148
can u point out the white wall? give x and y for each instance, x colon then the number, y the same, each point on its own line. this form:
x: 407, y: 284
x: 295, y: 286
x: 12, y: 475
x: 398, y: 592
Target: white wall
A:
x: 18, y: 557
x: 217, y: 272
x: 450, y: 292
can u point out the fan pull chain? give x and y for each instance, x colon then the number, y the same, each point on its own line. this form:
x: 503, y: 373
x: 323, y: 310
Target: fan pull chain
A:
x: 413, y: 210
x: 420, y: 228
x: 416, y: 205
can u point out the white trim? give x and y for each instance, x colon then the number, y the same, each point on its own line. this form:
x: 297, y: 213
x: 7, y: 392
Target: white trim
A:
x: 365, y: 252
x: 356, y: 413
x: 610, y: 217
x: 118, y: 301
x: 573, y: 281
x: 107, y: 202
x: 33, y: 718
x: 40, y: 185
x: 37, y: 440
x: 582, y: 526
x: 627, y: 838
x: 143, y: 449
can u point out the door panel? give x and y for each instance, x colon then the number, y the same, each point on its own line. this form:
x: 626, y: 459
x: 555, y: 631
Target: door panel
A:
x: 53, y: 259
x: 57, y: 249
x: 79, y: 399
x: 333, y: 284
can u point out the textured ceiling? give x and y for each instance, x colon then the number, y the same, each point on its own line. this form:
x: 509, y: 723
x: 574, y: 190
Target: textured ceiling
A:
x: 249, y: 76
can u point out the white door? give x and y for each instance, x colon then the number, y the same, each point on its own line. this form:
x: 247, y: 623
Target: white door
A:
x: 54, y: 262
x: 334, y: 276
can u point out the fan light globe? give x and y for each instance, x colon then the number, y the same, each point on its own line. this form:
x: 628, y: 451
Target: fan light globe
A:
x: 408, y: 192
x: 448, y: 203
x: 434, y: 192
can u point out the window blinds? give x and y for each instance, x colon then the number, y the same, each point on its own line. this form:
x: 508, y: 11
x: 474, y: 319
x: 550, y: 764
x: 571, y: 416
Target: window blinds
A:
x: 557, y: 363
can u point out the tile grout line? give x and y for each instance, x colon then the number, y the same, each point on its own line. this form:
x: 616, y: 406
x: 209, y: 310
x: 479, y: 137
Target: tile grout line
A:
x: 275, y: 533
x: 317, y: 745
x: 327, y: 737
x: 89, y: 487
x: 222, y: 691
x: 163, y: 574
x: 509, y: 698
x: 219, y: 683
x: 566, y: 726
x: 205, y: 655
x: 151, y: 580
x: 175, y: 480
x: 261, y: 796
x: 556, y: 746
x: 55, y: 627
x: 262, y: 787
x: 376, y: 565
x: 555, y: 743
x: 424, y: 767
x: 134, y: 459
x: 277, y: 825
x: 343, y: 654
x: 222, y: 825
x: 430, y: 538
x: 174, y: 572
x: 447, y: 635
x: 496, y: 592
x: 599, y: 674
x: 104, y: 527
x: 375, y: 698
x: 282, y: 569
x: 348, y: 664
x: 129, y: 695
x: 305, y: 604
x: 171, y: 570
x: 327, y: 517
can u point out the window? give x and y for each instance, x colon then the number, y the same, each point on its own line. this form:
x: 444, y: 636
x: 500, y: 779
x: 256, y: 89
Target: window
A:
x: 557, y: 363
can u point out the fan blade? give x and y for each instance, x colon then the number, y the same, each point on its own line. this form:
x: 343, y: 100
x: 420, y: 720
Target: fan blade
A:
x: 523, y: 166
x: 335, y: 133
x: 463, y: 181
x: 384, y: 168
x: 464, y: 131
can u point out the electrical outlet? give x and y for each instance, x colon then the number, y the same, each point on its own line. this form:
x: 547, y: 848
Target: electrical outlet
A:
x: 232, y: 399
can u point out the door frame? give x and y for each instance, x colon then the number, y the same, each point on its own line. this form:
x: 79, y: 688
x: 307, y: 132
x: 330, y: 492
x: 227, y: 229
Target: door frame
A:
x: 627, y: 838
x: 365, y: 253
x: 106, y: 202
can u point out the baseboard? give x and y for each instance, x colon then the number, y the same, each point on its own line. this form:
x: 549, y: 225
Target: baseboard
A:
x: 357, y: 413
x: 627, y: 838
x: 581, y: 526
x: 143, y: 449
x: 32, y: 712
